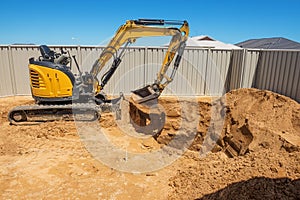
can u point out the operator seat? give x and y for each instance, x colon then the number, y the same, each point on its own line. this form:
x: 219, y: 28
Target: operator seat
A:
x: 47, y: 54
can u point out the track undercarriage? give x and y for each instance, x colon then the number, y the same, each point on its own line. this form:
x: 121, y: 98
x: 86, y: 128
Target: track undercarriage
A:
x: 34, y: 114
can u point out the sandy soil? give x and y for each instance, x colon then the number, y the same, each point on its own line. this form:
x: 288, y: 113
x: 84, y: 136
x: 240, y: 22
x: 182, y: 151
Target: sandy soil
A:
x: 257, y: 154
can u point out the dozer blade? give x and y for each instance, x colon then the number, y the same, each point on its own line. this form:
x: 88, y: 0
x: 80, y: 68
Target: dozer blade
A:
x: 144, y: 94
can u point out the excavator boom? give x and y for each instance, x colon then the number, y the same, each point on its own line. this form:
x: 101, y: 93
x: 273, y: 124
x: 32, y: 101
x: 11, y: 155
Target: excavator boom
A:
x: 134, y: 29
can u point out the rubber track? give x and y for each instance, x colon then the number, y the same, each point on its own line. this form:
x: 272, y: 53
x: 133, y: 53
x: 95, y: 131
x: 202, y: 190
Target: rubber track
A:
x: 31, y: 114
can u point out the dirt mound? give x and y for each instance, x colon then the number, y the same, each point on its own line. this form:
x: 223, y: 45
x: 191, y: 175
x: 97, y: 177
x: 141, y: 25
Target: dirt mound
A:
x: 255, y: 119
x: 264, y: 128
x: 241, y: 121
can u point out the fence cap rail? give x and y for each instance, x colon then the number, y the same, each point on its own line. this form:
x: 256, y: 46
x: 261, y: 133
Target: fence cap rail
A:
x: 142, y: 47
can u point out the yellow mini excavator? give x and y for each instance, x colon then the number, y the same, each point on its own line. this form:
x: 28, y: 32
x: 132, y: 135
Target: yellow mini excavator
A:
x: 62, y: 95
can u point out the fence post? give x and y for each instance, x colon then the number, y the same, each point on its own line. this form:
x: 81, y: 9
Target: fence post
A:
x: 206, y: 66
x: 243, y: 67
x: 12, y: 70
x: 79, y: 53
x: 145, y: 63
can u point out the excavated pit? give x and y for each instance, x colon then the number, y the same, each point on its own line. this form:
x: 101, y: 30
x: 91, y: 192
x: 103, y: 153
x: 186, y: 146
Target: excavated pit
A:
x: 245, y: 116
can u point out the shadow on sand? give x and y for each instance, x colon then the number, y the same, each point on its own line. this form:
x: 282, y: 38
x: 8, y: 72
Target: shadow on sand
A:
x: 259, y: 188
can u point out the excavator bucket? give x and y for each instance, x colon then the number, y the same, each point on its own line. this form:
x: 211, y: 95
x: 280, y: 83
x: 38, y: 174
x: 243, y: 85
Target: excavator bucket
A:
x: 146, y: 115
x: 144, y: 94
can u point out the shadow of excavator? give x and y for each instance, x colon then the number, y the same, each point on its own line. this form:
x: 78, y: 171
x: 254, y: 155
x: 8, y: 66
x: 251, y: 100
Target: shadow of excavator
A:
x: 258, y: 188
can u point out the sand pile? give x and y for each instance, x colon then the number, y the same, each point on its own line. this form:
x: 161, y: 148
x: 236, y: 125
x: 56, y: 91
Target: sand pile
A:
x: 249, y: 118
x: 261, y: 132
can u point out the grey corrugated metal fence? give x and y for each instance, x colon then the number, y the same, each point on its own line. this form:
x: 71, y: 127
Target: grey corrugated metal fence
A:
x: 279, y: 71
x: 202, y: 71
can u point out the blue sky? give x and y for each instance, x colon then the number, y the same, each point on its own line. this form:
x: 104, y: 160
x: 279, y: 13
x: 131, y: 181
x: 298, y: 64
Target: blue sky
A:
x: 93, y: 22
